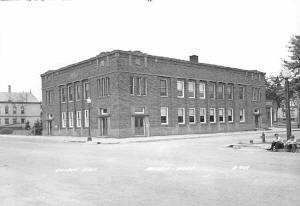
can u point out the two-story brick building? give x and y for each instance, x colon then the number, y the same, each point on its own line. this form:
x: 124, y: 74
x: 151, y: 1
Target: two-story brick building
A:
x: 136, y: 94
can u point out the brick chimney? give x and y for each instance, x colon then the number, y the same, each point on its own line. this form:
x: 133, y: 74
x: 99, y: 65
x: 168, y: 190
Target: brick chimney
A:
x: 194, y: 58
x: 9, y: 92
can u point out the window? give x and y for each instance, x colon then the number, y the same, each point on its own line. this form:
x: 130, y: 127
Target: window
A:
x: 70, y: 93
x: 49, y: 97
x: 211, y: 90
x: 181, y: 116
x: 63, y: 120
x: 131, y: 85
x: 78, y: 119
x: 242, y: 115
x: 202, y: 90
x: 221, y: 115
x: 86, y: 118
x: 14, y: 109
x: 86, y: 90
x: 103, y: 86
x: 62, y: 94
x: 229, y: 92
x: 104, y: 111
x: 143, y: 86
x: 71, y: 119
x: 6, y: 121
x: 139, y: 110
x: 164, y: 115
x: 6, y: 109
x: 14, y: 120
x: 212, y: 115
x: 78, y: 92
x: 241, y: 92
x: 230, y: 114
x: 259, y: 94
x: 22, y: 121
x: 256, y: 94
x: 192, y: 118
x: 191, y: 89
x: 202, y: 115
x: 220, y: 91
x: 163, y: 88
x: 180, y: 89
x: 22, y: 110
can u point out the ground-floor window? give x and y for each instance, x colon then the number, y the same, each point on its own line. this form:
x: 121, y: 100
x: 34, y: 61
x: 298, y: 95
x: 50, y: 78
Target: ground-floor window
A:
x: 71, y: 119
x: 14, y: 120
x: 6, y: 121
x: 22, y: 121
x: 230, y: 114
x: 221, y: 115
x: 164, y: 115
x: 212, y: 115
x: 202, y: 115
x: 78, y: 119
x: 86, y: 118
x: 63, y: 120
x: 242, y: 115
x: 181, y: 116
x: 192, y: 118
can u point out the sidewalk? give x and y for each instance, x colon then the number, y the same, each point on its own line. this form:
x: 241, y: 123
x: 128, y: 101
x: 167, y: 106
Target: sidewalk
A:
x: 103, y: 140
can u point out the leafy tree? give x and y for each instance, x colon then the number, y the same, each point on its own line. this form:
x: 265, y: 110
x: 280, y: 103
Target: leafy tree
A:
x: 275, y: 89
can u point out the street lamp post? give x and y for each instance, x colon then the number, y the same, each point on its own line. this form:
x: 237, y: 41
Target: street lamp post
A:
x: 286, y: 75
x: 89, y: 101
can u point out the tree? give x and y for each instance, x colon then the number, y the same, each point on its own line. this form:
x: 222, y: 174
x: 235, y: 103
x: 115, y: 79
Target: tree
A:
x: 275, y: 89
x: 27, y: 125
x: 38, y: 128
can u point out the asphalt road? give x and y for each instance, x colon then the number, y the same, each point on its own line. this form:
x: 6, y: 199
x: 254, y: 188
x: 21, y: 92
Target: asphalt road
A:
x: 181, y: 172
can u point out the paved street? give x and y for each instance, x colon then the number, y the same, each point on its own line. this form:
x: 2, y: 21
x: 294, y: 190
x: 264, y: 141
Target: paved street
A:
x: 198, y: 171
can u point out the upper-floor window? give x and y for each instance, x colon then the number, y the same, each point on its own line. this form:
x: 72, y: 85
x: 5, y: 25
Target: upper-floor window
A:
x: 86, y: 90
x: 220, y: 91
x: 191, y: 89
x: 256, y: 95
x: 202, y: 90
x: 229, y: 92
x: 138, y: 86
x: 163, y: 88
x: 103, y: 85
x: 78, y: 91
x: 180, y: 88
x: 22, y: 109
x: 14, y: 109
x: 62, y: 94
x: 211, y: 90
x: 48, y: 97
x: 6, y: 109
x: 70, y: 93
x: 164, y: 115
x: 241, y: 92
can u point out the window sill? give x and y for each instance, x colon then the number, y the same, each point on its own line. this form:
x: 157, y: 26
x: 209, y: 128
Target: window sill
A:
x: 181, y: 97
x: 164, y: 124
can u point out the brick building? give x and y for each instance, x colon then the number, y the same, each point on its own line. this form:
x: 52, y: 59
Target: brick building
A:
x: 136, y: 94
x: 16, y: 108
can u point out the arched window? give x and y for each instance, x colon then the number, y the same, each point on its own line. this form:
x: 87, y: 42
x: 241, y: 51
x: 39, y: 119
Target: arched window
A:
x: 22, y: 110
x: 6, y: 109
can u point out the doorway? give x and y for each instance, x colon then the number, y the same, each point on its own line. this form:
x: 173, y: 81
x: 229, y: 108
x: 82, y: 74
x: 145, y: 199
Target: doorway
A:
x: 139, y: 126
x: 256, y: 121
x: 103, y: 126
x: 49, y: 127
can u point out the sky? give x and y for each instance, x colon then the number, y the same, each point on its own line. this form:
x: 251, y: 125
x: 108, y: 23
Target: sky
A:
x: 36, y: 36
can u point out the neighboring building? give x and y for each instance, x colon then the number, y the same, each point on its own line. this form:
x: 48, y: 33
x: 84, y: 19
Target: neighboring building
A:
x: 135, y: 94
x: 16, y: 108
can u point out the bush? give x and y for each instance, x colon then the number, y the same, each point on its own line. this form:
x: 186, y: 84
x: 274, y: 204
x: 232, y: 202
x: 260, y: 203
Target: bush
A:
x: 6, y: 131
x: 38, y: 127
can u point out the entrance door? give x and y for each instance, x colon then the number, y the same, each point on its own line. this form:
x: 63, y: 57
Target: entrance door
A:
x: 49, y: 128
x: 256, y: 119
x: 103, y: 126
x: 139, y: 126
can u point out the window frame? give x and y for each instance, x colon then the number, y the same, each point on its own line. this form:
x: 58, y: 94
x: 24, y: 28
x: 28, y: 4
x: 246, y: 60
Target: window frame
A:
x: 71, y: 119
x: 86, y: 118
x: 182, y: 90
x: 167, y: 116
x: 227, y: 92
x: 243, y: 93
x: 204, y: 89
x: 78, y: 118
x: 223, y: 114
x: 63, y: 98
x: 63, y: 120
x: 193, y: 84
x: 204, y: 114
x: 183, y: 115
x: 194, y: 111
x: 70, y: 93
x: 243, y: 115
x: 213, y: 85
x: 219, y: 86
x: 166, y: 87
x: 232, y: 115
x: 214, y: 115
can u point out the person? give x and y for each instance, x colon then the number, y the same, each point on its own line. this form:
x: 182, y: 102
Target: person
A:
x: 291, y: 144
x: 277, y: 143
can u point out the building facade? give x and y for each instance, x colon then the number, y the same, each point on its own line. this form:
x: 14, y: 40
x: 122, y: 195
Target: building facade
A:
x: 16, y: 108
x: 135, y: 94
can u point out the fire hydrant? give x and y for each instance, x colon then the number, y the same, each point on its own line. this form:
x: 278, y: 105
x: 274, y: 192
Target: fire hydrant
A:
x: 263, y: 137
